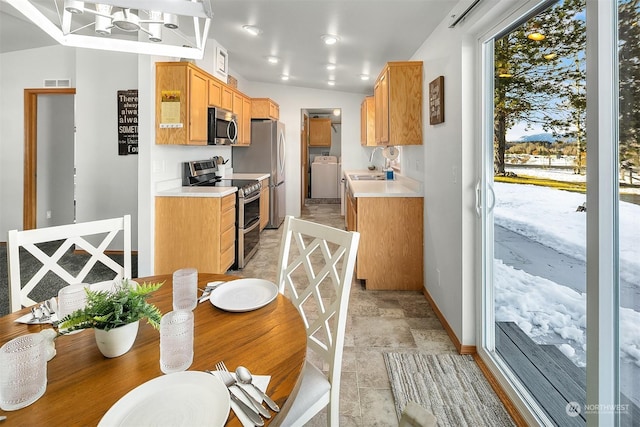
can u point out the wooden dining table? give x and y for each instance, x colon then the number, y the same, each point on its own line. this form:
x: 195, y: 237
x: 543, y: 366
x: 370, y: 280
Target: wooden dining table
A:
x: 83, y: 384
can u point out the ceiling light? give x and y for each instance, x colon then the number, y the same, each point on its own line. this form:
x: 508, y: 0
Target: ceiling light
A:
x: 330, y: 39
x: 115, y: 20
x: 273, y: 59
x: 331, y: 82
x: 284, y: 77
x: 364, y: 77
x: 251, y: 29
x: 331, y: 67
x: 336, y: 112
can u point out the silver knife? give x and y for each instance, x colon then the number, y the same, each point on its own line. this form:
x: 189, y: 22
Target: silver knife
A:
x: 248, y: 411
x: 261, y: 409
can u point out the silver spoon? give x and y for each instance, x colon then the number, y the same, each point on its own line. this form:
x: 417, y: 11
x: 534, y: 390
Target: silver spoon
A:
x: 244, y: 377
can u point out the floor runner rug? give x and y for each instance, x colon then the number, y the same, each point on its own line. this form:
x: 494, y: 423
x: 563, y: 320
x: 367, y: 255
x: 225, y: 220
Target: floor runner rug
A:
x: 451, y: 386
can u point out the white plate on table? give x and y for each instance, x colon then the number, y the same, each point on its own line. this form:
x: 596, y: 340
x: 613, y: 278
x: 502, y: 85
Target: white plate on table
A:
x: 188, y: 398
x: 243, y: 294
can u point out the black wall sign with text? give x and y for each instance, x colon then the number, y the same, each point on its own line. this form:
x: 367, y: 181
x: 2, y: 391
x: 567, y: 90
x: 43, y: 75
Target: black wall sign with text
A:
x: 127, y: 122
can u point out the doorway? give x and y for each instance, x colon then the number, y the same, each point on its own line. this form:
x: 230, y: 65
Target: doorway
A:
x: 48, y: 196
x: 321, y: 154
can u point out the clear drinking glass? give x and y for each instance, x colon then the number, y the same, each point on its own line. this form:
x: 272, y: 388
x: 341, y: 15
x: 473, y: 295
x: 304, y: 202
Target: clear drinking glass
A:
x: 185, y: 289
x: 23, y: 371
x: 176, y: 341
x: 71, y: 298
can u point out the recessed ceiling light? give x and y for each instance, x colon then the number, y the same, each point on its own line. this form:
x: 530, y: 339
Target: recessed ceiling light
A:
x: 336, y: 112
x: 273, y: 59
x: 364, y: 76
x: 330, y: 39
x: 331, y: 82
x: 284, y: 77
x: 331, y: 67
x: 251, y: 29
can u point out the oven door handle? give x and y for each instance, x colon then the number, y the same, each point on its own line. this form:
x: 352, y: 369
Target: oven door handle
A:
x: 251, y: 199
x: 255, y: 224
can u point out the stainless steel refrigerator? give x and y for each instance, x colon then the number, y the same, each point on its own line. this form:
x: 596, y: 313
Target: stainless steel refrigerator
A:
x: 266, y: 154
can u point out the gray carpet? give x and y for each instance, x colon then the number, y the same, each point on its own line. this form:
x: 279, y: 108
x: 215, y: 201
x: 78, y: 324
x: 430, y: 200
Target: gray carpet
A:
x: 451, y: 386
x: 51, y: 283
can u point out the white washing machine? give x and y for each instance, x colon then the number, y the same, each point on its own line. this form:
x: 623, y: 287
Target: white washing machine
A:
x: 324, y: 171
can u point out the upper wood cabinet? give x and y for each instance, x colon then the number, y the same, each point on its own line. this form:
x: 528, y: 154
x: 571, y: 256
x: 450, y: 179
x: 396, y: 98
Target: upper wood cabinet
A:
x: 320, y: 132
x: 242, y: 110
x: 184, y: 93
x: 264, y: 108
x: 367, y: 122
x: 182, y: 98
x: 398, y: 104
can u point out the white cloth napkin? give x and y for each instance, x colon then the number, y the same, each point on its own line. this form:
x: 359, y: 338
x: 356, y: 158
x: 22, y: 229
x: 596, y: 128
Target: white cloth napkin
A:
x: 260, y: 381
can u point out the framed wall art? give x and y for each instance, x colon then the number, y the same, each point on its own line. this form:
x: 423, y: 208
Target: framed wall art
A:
x: 436, y: 101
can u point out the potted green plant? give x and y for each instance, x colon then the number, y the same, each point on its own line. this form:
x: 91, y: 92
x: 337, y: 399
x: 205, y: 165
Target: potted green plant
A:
x: 115, y: 315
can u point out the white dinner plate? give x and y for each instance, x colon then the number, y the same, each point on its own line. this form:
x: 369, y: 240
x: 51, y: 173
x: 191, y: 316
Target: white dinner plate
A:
x: 243, y: 294
x: 188, y: 398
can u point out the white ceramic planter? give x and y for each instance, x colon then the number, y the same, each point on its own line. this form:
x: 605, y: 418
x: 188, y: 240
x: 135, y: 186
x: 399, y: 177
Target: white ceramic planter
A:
x: 116, y: 342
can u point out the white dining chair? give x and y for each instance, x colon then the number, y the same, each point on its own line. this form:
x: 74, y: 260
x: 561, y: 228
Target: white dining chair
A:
x: 315, y: 273
x: 76, y: 236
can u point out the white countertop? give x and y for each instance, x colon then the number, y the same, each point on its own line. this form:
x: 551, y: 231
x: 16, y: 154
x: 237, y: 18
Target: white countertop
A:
x: 399, y: 187
x: 198, y: 192
x: 256, y: 176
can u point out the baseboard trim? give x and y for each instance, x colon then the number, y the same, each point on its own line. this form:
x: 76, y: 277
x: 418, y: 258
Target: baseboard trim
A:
x: 512, y: 410
x: 462, y: 349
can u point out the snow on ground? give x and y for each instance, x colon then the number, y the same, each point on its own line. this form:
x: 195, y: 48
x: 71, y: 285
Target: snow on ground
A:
x: 547, y: 311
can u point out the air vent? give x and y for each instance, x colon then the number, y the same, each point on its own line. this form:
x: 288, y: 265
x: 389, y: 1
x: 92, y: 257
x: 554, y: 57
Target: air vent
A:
x: 57, y: 83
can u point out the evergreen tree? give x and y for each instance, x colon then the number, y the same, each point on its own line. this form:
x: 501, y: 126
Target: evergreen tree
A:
x: 541, y: 81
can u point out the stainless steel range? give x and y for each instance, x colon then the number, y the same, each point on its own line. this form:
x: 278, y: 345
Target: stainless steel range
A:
x: 203, y: 173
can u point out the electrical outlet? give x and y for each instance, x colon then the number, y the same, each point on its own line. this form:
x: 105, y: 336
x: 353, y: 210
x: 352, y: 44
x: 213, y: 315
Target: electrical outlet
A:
x: 438, y: 272
x: 48, y: 214
x: 454, y: 173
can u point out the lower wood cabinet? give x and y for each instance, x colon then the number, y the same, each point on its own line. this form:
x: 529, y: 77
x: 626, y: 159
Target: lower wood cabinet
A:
x: 264, y: 204
x: 198, y: 232
x: 390, y: 254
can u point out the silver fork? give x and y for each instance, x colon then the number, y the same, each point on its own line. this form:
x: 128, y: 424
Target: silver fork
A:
x: 229, y: 381
x: 246, y: 409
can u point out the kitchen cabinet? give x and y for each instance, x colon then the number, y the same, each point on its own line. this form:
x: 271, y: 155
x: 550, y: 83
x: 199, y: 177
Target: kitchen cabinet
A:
x: 319, y: 132
x: 398, y: 104
x: 390, y: 253
x: 264, y: 204
x: 196, y: 232
x: 264, y: 108
x: 182, y: 94
x: 367, y: 122
x: 242, y: 110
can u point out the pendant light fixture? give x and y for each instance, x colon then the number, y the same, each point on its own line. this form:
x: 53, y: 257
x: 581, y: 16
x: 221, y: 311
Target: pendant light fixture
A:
x: 150, y: 27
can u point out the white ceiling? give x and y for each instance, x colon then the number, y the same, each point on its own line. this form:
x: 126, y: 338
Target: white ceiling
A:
x: 372, y: 32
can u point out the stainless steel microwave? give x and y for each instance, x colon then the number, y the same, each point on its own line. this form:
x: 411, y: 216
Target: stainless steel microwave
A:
x: 222, y: 127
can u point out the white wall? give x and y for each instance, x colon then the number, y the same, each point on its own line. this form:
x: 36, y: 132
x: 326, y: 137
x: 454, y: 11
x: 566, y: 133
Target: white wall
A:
x: 18, y: 71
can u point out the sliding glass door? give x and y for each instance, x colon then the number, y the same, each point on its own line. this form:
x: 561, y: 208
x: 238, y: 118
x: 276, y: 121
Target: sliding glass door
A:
x: 559, y: 273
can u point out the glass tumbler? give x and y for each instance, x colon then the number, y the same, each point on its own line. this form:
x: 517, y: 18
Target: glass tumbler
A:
x: 176, y: 341
x: 23, y: 371
x: 71, y: 298
x: 185, y: 289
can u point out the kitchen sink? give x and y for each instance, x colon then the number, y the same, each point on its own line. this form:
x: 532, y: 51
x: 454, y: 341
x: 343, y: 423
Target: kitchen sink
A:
x: 367, y: 177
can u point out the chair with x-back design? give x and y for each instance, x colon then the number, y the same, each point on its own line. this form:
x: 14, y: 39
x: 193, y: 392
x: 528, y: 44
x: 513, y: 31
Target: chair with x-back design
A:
x: 315, y: 272
x: 72, y: 237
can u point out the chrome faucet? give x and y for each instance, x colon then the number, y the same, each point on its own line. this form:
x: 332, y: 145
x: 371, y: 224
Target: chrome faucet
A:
x: 373, y: 153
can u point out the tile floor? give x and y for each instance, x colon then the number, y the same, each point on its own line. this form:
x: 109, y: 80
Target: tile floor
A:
x: 378, y: 321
